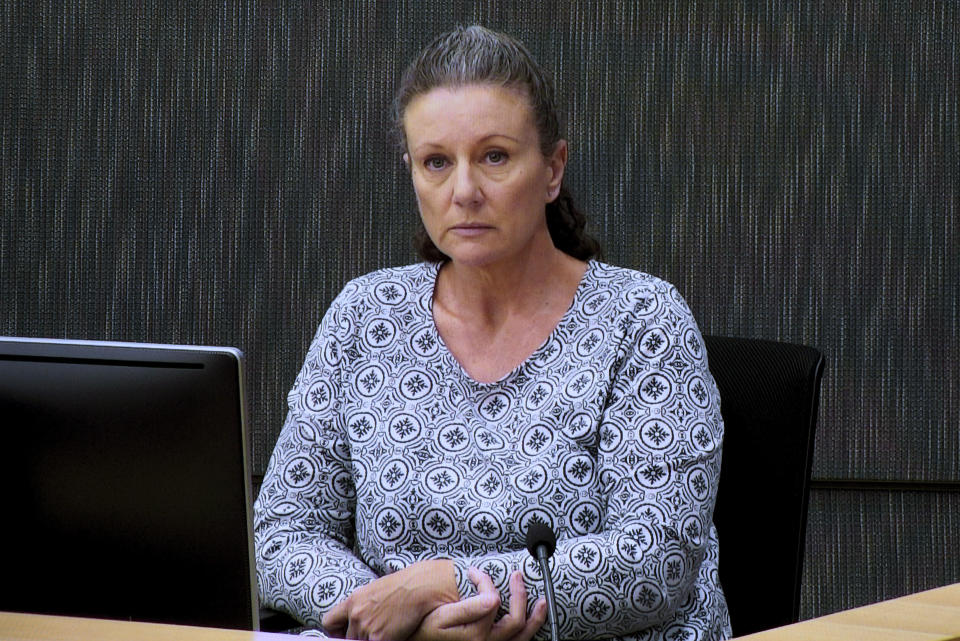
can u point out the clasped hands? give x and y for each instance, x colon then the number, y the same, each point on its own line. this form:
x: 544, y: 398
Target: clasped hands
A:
x: 421, y: 603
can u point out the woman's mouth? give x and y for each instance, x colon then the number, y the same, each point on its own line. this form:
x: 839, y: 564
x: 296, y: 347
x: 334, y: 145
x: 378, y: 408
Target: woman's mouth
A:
x: 470, y: 229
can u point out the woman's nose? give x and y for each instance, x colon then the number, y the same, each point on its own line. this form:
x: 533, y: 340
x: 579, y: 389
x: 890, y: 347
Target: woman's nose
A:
x: 466, y: 187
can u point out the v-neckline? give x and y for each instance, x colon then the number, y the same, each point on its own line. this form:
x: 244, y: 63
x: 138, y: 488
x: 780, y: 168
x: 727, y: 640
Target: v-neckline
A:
x: 455, y: 364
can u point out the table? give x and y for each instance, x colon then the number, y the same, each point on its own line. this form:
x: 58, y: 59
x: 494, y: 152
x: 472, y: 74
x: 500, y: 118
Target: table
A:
x: 933, y: 615
x: 39, y: 627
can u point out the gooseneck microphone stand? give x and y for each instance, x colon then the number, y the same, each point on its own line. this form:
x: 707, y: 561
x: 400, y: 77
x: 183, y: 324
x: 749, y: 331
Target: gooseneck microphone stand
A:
x: 541, y: 542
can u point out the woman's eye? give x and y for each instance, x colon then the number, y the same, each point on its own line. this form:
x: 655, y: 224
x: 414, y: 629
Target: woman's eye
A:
x: 435, y: 162
x: 496, y: 157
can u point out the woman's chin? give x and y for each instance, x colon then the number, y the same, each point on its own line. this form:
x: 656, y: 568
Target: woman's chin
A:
x: 473, y: 262
x: 473, y: 255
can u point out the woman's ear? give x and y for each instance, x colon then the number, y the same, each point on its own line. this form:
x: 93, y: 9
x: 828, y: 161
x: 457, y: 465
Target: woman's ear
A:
x: 406, y: 159
x: 557, y: 163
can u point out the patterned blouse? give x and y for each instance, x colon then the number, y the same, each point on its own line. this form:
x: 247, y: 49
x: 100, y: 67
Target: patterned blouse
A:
x: 610, y: 432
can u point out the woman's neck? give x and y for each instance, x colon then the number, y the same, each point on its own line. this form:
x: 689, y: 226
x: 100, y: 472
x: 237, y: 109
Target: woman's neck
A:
x: 491, y: 322
x: 535, y: 283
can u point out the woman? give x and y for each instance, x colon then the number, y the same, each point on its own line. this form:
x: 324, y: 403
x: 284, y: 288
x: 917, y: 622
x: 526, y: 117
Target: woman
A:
x: 508, y: 378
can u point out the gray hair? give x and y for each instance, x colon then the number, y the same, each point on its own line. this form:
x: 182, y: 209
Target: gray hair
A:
x: 477, y: 55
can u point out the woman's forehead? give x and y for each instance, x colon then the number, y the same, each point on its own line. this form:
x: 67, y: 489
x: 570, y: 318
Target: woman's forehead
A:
x: 469, y: 110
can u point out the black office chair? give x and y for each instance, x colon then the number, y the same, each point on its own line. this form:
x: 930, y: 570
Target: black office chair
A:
x: 274, y: 621
x: 769, y: 395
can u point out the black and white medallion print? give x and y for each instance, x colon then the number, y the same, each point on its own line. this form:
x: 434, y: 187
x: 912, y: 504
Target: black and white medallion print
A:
x: 610, y: 432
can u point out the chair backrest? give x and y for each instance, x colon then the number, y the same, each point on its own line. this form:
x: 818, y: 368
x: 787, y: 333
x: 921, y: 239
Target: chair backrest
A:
x: 769, y: 394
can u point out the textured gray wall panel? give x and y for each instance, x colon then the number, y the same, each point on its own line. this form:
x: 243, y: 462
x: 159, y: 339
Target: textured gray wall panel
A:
x: 867, y: 546
x: 214, y: 174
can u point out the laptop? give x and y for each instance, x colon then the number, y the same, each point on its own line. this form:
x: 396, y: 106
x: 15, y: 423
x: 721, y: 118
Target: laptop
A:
x: 126, y: 490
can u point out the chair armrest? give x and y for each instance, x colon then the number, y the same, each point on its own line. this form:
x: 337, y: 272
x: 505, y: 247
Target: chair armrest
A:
x: 274, y: 621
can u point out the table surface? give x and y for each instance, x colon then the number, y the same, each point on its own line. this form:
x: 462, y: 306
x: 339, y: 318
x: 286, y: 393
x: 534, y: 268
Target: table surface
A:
x: 933, y: 615
x: 39, y: 627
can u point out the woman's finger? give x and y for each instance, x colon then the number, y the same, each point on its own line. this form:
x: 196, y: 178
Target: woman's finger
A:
x: 466, y: 611
x: 512, y: 623
x: 465, y: 620
x: 518, y: 594
x: 534, y: 623
x: 483, y: 582
x: 352, y: 632
x: 336, y: 617
x: 335, y: 621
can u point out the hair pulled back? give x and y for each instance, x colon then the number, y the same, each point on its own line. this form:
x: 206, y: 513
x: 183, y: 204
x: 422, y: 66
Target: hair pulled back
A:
x: 476, y: 55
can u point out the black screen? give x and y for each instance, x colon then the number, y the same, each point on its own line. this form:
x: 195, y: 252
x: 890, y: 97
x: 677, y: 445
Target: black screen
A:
x: 126, y: 486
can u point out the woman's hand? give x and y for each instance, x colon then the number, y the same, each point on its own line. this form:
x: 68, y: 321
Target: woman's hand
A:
x: 515, y: 626
x: 393, y: 606
x: 473, y: 619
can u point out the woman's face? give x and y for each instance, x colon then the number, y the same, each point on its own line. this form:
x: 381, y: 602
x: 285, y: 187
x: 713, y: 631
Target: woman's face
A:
x: 481, y: 181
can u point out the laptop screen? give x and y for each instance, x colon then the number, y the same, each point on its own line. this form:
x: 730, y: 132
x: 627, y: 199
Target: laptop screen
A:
x: 127, y: 494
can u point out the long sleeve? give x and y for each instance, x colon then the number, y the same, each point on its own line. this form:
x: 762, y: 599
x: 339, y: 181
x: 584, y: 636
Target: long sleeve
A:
x: 633, y: 558
x: 304, y: 515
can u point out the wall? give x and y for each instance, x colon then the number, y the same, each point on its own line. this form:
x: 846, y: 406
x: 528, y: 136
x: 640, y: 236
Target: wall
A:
x: 214, y: 174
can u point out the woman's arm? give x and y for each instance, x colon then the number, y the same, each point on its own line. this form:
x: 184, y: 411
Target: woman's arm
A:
x: 303, y: 528
x: 657, y: 465
x: 304, y: 542
x: 393, y: 606
x: 306, y: 511
x: 473, y: 618
x: 304, y: 515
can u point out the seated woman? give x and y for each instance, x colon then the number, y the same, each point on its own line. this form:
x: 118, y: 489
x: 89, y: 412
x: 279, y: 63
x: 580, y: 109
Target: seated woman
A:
x: 508, y: 378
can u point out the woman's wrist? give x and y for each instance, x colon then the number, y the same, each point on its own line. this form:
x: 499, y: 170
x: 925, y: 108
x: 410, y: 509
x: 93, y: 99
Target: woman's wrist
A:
x: 435, y: 584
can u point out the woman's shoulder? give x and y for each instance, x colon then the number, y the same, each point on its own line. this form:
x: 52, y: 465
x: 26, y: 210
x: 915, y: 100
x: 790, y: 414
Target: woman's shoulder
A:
x: 391, y: 285
x: 606, y: 271
x: 389, y: 293
x: 630, y: 289
x: 643, y: 308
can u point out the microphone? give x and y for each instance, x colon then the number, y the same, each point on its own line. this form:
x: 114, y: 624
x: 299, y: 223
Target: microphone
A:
x: 541, y: 542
